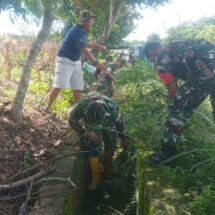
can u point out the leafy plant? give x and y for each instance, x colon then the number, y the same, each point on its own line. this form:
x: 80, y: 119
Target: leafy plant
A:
x: 27, y: 160
x: 203, y: 204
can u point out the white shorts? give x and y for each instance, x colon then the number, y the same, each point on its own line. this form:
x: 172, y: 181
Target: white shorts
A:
x: 68, y: 74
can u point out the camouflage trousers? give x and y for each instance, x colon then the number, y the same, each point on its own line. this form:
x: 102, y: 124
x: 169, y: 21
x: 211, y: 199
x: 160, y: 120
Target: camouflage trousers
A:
x: 188, y: 97
x: 108, y: 139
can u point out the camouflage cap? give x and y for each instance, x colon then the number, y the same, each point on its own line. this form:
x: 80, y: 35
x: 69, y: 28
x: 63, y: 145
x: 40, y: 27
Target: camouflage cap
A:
x: 85, y: 15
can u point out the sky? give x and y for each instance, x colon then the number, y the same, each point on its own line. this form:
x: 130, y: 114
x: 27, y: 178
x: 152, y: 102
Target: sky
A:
x: 153, y: 21
x: 168, y: 15
x: 19, y: 27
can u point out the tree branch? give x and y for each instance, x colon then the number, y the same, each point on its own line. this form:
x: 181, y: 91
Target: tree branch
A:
x: 43, y: 163
x: 57, y: 179
x: 26, y: 180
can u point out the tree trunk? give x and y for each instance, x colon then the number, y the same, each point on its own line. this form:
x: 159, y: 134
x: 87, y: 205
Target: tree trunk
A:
x: 111, y: 21
x: 16, y: 111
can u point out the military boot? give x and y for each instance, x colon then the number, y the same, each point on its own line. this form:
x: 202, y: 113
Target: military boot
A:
x: 166, y: 152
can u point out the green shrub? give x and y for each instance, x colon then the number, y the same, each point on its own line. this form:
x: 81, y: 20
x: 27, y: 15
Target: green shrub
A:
x: 203, y: 204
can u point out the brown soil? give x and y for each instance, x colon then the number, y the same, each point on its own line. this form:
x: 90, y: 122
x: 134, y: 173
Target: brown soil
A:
x: 37, y: 139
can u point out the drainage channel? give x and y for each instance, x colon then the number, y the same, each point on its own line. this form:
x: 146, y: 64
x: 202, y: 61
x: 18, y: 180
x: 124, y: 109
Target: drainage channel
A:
x: 64, y: 194
x: 115, y: 196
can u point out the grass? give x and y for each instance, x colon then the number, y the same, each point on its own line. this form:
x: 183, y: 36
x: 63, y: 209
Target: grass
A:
x: 143, y: 102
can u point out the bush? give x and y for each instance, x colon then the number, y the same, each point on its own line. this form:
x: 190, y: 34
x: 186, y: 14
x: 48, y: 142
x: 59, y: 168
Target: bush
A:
x: 203, y: 204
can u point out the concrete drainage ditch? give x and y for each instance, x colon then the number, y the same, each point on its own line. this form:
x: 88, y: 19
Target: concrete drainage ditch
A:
x: 64, y: 193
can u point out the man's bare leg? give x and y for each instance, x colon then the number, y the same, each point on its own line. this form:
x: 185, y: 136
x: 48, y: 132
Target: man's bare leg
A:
x: 52, y: 97
x: 76, y: 95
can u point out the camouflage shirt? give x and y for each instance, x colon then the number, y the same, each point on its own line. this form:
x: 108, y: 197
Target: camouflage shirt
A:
x: 105, y: 85
x: 112, y: 118
x: 180, y: 60
x: 111, y: 66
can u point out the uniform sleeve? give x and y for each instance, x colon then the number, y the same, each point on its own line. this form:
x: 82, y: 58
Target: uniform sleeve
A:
x: 119, y: 123
x: 164, y: 68
x: 75, y: 115
x: 166, y: 78
x: 113, y: 117
x: 111, y: 67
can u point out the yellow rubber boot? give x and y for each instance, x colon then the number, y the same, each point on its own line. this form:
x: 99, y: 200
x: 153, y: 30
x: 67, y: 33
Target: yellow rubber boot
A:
x: 95, y: 172
x: 107, y: 162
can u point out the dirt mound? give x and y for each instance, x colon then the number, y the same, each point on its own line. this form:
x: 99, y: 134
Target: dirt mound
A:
x: 38, y: 138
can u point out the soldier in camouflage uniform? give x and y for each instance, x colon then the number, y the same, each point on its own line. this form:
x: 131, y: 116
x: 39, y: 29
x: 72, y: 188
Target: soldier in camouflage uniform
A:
x: 114, y: 66
x: 101, y: 124
x: 193, y: 62
x: 106, y: 83
x: 106, y: 80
